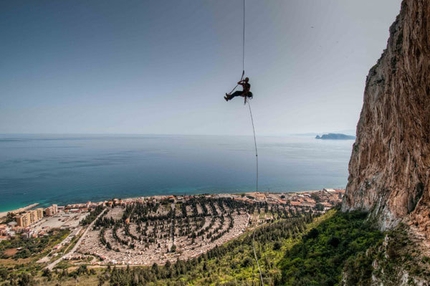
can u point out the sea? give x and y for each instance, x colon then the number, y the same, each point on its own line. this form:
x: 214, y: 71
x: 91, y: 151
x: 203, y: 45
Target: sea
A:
x: 65, y: 169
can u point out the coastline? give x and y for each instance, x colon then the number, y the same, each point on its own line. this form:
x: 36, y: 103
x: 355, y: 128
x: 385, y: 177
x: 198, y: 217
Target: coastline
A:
x: 28, y: 207
x: 227, y: 218
x: 3, y: 214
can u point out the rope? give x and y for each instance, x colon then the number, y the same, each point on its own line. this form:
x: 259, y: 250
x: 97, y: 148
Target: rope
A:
x: 255, y: 144
x: 243, y: 48
x: 241, y: 78
x: 247, y: 101
x: 253, y: 129
x: 243, y: 40
x: 256, y: 187
x: 256, y: 259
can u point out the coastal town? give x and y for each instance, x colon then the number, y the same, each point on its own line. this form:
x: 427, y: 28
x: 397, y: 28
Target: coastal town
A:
x: 157, y: 229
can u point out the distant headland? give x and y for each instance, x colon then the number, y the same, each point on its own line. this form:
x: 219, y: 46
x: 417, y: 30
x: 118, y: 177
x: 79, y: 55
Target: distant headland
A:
x: 335, y: 136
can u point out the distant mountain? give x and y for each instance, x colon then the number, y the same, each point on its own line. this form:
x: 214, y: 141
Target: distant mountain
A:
x: 335, y: 136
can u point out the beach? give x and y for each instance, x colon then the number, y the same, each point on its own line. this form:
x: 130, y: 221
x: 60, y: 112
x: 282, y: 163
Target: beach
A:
x: 3, y: 214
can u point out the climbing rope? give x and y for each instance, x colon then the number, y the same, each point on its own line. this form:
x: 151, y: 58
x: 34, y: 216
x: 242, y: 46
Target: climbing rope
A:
x: 253, y: 127
x: 241, y: 78
x: 256, y: 259
x: 256, y: 187
x: 255, y: 144
x: 243, y: 46
x: 243, y: 40
x: 253, y: 130
x: 247, y: 101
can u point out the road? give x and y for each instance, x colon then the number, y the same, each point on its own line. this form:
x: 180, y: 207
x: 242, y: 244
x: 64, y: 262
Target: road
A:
x: 53, y: 264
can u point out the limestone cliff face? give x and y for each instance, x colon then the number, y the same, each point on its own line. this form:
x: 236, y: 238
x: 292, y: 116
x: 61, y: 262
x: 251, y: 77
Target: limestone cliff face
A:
x: 390, y: 162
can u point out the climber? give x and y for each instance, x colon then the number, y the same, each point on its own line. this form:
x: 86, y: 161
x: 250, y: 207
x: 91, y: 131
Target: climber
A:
x: 244, y: 93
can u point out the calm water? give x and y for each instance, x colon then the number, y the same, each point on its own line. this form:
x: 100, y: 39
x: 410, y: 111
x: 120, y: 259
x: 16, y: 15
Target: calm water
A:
x: 67, y: 169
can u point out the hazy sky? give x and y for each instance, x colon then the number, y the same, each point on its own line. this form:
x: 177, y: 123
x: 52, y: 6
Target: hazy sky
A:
x: 163, y: 67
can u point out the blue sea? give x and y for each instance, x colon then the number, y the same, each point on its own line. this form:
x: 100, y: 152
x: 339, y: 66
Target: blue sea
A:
x: 66, y: 169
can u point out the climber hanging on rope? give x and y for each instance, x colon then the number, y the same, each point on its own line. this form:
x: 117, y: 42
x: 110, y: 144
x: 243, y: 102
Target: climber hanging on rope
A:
x: 245, y: 93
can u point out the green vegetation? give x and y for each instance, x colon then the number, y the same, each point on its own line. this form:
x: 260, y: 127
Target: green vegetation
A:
x: 300, y: 250
x: 229, y: 264
x: 25, y: 247
x: 92, y: 216
x: 320, y: 257
x: 395, y: 257
x: 19, y: 255
x: 10, y: 217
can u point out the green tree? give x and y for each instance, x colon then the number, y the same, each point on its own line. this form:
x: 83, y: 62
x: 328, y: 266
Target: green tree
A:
x: 26, y: 280
x: 47, y: 273
x: 319, y: 207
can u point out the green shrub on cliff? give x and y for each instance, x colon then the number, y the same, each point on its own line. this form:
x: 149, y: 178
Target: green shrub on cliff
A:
x: 321, y: 255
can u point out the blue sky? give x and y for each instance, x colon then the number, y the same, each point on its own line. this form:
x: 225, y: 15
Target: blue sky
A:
x: 163, y: 67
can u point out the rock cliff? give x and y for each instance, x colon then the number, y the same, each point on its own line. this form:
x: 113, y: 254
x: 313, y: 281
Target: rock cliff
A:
x: 390, y: 162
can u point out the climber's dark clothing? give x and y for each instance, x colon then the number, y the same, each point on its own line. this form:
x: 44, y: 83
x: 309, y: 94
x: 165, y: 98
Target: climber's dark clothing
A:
x: 244, y: 93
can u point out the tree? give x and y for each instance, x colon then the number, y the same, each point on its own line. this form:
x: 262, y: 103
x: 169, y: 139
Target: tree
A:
x: 247, y: 262
x: 101, y: 280
x: 334, y: 241
x: 313, y: 233
x: 10, y: 217
x: 26, y: 280
x: 47, y: 273
x: 277, y: 245
x: 155, y: 268
x: 319, y: 207
x: 82, y: 270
